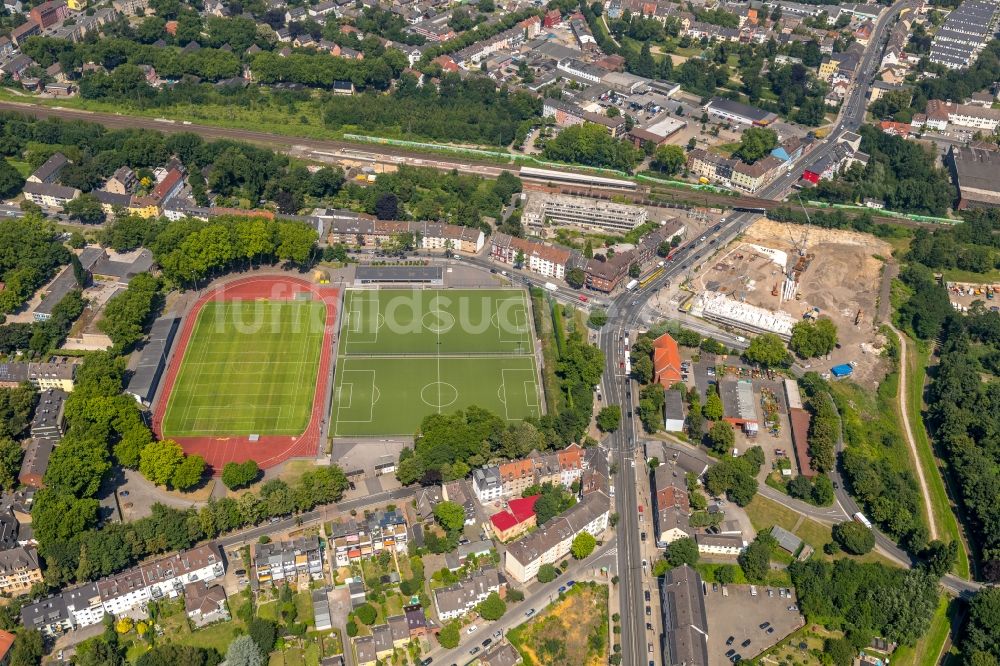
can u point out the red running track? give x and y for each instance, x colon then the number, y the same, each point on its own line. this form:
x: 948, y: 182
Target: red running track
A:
x: 268, y: 450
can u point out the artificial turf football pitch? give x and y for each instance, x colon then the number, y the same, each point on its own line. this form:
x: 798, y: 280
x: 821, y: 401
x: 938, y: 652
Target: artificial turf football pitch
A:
x: 404, y: 354
x: 249, y: 368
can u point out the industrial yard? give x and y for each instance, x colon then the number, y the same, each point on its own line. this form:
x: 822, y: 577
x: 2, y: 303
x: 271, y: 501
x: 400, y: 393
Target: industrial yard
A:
x: 780, y: 273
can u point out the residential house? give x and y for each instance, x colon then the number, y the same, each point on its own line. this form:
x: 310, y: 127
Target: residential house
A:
x: 49, y: 195
x: 354, y: 539
x: 49, y: 13
x: 126, y: 592
x: 16, y: 68
x: 205, y: 603
x: 19, y: 570
x: 21, y: 33
x: 364, y: 651
x: 281, y: 560
x: 416, y: 621
x: 501, y: 654
x: 459, y: 492
x: 6, y: 642
x: 382, y: 635
x: 322, y: 620
x: 552, y: 541
x: 546, y: 260
x: 456, y: 600
x: 123, y: 181
x: 666, y: 361
x: 46, y: 431
x: 49, y: 171
x: 673, y: 410
x: 515, y: 520
x: 671, y: 506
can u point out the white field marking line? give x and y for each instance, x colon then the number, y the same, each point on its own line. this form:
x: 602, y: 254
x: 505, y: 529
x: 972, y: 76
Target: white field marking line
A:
x: 360, y: 312
x: 529, y: 401
x: 371, y: 413
x: 522, y: 310
x: 438, y: 350
x: 503, y: 379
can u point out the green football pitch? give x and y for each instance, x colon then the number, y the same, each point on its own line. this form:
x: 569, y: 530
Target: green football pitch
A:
x: 249, y: 368
x: 404, y: 354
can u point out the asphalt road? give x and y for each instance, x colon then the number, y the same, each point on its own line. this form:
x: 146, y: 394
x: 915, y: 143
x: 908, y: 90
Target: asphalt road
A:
x: 317, y: 515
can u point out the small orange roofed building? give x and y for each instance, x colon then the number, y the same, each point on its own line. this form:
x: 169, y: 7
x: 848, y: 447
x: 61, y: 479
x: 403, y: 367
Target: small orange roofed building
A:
x: 666, y: 361
x: 516, y: 520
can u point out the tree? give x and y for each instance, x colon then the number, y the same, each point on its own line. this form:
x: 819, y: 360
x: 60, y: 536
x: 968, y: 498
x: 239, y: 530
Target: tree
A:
x: 721, y: 437
x: 28, y: 648
x: 756, y: 143
x: 159, y: 460
x: 634, y: 271
x: 822, y: 491
x: 188, y: 473
x: 450, y: 635
x: 85, y: 208
x: 854, y: 537
x: 713, y: 409
x: 597, y: 318
x: 11, y: 181
x: 939, y: 557
x: 240, y: 475
x: 726, y: 574
x: 812, y: 339
x: 840, y: 651
x: 982, y: 632
x: 682, y: 551
x: 583, y: 545
x: 264, y: 633
x: 546, y: 573
x: 10, y: 463
x: 450, y: 515
x: 387, y: 206
x: 768, y: 350
x: 576, y: 278
x: 669, y: 160
x: 243, y: 652
x: 366, y: 613
x: 609, y: 418
x: 755, y: 560
x: 493, y: 608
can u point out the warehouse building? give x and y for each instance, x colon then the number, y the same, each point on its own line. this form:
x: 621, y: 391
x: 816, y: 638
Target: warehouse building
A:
x: 977, y: 176
x: 152, y: 361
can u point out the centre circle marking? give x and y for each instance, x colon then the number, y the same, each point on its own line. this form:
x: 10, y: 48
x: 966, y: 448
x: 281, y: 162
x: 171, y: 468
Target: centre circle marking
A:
x: 439, y: 394
x: 438, y: 321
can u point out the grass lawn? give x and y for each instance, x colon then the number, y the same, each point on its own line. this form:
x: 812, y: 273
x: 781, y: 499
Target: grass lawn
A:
x: 944, y: 515
x: 726, y: 149
x: 764, y: 513
x: 789, y: 652
x: 927, y: 649
x: 406, y: 354
x: 22, y: 167
x: 572, y: 632
x: 268, y: 610
x: 250, y: 367
x: 304, y: 608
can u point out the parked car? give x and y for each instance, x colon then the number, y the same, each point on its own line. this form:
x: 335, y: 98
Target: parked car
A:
x: 729, y: 641
x: 472, y: 628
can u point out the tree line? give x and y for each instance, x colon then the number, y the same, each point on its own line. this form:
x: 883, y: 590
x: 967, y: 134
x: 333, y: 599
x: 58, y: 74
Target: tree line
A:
x: 903, y: 174
x: 459, y: 111
x: 30, y: 254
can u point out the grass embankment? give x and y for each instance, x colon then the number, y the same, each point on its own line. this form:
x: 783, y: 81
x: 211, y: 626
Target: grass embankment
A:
x: 918, y: 357
x: 550, y: 354
x: 928, y: 649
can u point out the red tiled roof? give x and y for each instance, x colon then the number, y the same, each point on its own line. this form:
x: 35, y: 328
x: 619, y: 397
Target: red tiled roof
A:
x: 518, y: 511
x: 6, y: 640
x: 168, y: 183
x: 666, y: 361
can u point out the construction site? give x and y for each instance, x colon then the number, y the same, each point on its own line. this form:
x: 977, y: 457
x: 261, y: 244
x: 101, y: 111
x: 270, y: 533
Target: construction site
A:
x: 779, y: 274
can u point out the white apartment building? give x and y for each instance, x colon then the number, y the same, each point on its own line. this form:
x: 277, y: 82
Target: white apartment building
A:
x: 546, y: 260
x: 552, y: 541
x: 456, y: 600
x: 583, y: 212
x: 132, y: 589
x: 940, y: 114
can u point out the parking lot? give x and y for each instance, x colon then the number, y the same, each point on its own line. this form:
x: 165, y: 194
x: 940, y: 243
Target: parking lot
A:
x: 739, y: 617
